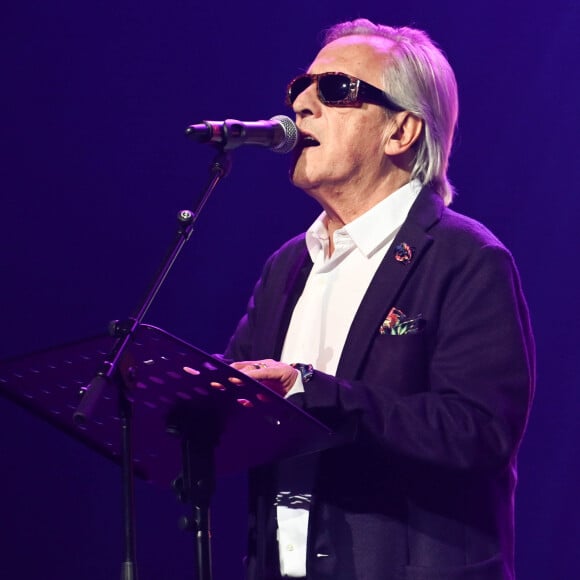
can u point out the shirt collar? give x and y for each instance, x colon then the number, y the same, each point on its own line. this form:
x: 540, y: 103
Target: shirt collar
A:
x: 370, y: 230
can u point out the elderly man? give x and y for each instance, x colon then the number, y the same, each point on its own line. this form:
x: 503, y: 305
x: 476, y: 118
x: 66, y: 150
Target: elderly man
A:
x: 393, y: 319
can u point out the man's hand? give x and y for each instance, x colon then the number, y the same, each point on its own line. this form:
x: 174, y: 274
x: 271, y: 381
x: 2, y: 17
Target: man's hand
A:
x: 277, y: 376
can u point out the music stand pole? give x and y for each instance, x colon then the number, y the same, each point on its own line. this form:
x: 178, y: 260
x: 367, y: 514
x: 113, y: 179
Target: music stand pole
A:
x: 129, y: 566
x: 198, y: 427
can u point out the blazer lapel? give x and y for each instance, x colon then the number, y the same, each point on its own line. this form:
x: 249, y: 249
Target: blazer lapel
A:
x: 291, y: 287
x: 388, y: 281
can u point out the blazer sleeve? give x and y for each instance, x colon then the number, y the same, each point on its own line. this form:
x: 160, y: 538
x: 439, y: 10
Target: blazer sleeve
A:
x: 241, y: 345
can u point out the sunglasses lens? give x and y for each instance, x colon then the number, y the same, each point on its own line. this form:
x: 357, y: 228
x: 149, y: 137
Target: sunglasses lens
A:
x: 334, y: 88
x: 297, y: 86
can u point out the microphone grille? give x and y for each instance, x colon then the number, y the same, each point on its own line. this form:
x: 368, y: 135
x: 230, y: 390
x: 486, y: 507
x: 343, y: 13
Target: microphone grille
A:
x: 288, y: 142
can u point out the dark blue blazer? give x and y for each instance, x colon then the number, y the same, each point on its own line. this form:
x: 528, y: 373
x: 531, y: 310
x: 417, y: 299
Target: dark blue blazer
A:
x: 424, y: 489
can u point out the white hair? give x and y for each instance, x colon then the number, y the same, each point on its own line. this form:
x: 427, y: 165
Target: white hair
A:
x: 419, y: 78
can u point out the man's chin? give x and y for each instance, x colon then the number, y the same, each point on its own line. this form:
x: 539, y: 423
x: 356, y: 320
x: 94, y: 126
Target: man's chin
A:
x: 308, y: 186
x: 294, y: 171
x: 299, y: 178
x: 298, y: 174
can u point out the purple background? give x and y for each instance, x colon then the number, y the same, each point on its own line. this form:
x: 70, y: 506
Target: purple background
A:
x: 94, y: 167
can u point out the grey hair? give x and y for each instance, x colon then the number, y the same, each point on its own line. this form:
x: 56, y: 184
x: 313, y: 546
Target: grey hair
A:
x: 420, y: 79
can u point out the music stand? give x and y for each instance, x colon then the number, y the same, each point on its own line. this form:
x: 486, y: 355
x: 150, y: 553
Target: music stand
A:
x: 189, y: 411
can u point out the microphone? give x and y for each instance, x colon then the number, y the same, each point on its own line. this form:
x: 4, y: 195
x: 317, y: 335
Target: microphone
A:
x: 279, y: 134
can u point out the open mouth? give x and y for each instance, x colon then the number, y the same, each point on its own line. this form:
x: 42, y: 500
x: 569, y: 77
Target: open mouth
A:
x: 307, y: 140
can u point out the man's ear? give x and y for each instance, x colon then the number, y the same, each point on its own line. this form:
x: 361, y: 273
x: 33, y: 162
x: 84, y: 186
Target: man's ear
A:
x: 406, y: 129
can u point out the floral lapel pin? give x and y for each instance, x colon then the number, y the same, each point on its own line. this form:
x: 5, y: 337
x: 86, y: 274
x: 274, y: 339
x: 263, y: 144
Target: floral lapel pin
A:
x: 398, y: 323
x: 404, y: 253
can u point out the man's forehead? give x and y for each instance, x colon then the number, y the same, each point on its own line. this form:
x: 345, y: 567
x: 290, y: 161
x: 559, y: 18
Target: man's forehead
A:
x: 353, y: 52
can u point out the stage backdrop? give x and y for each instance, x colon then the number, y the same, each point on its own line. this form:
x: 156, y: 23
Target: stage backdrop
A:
x: 94, y: 168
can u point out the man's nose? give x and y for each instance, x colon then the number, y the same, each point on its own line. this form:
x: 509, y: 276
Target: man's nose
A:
x: 307, y: 102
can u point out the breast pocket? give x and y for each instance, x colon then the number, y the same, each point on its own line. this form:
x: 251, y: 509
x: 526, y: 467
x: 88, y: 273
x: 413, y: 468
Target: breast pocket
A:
x: 398, y: 362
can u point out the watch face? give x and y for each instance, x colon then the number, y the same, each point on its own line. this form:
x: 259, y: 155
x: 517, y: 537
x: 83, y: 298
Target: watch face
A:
x: 307, y: 371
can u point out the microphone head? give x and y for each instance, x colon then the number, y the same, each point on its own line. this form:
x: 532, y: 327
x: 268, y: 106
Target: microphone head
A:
x: 290, y: 138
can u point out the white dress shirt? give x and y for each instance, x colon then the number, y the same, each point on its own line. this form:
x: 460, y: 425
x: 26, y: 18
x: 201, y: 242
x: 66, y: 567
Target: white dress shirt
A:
x: 323, y: 316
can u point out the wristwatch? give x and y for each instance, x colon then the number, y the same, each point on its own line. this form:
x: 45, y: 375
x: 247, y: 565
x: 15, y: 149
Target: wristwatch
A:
x: 307, y: 371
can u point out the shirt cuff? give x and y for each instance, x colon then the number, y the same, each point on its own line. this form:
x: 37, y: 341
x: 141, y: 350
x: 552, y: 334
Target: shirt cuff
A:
x: 297, y: 387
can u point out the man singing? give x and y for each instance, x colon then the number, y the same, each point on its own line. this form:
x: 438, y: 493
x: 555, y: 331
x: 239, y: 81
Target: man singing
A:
x: 397, y: 322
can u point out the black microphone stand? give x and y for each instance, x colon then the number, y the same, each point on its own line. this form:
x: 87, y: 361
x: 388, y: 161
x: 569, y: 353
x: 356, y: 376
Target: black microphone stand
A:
x: 109, y: 373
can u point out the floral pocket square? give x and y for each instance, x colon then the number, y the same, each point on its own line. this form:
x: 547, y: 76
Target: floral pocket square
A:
x: 398, y: 323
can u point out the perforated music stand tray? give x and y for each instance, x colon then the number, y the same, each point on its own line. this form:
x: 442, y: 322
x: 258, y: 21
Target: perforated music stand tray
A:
x: 256, y: 426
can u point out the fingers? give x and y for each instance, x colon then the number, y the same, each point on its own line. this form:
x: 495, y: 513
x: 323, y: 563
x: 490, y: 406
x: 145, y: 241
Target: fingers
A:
x: 252, y: 365
x: 275, y: 375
